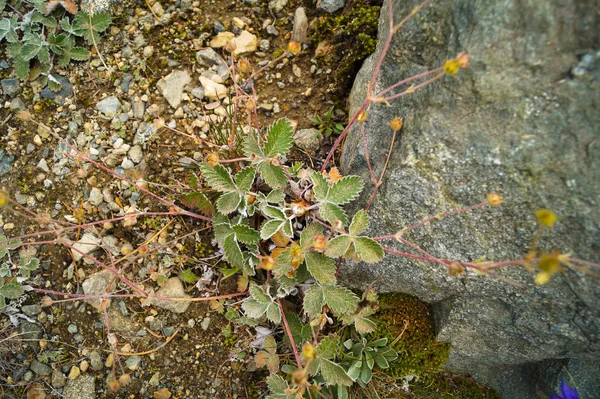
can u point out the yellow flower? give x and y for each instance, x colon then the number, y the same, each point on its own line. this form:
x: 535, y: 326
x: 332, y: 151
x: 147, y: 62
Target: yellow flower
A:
x: 308, y: 351
x: 494, y: 199
x: 451, y: 67
x: 546, y: 217
x: 396, y: 124
x: 3, y: 199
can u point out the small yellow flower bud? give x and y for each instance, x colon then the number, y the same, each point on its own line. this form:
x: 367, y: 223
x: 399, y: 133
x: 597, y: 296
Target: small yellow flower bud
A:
x: 244, y: 66
x: 494, y: 199
x: 212, y: 159
x: 451, y: 67
x: 546, y: 217
x: 250, y: 105
x: 294, y: 47
x: 362, y: 117
x: 396, y: 124
x: 455, y: 269
x: 308, y: 351
x: 267, y: 262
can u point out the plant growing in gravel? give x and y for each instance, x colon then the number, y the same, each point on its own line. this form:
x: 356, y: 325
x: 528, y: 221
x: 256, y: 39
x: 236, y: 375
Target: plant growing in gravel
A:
x: 326, y: 124
x: 41, y: 35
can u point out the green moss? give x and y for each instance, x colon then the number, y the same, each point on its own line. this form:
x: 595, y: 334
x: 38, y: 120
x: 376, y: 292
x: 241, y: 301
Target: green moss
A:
x: 419, y: 353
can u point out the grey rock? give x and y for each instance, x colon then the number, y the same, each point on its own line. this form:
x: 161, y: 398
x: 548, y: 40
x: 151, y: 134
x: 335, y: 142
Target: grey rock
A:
x: 330, y: 6
x: 59, y: 97
x: 172, y: 86
x: 272, y: 30
x: 144, y: 132
x: 277, y: 5
x: 96, y: 284
x: 497, y: 126
x: 138, y: 108
x: 264, y: 45
x: 17, y: 104
x: 127, y: 79
x: 308, y: 139
x: 127, y: 164
x: 198, y: 92
x: 96, y: 6
x: 109, y: 106
x: 135, y: 154
x: 173, y: 288
x: 87, y: 244
x: 300, y: 29
x: 30, y: 334
x: 10, y: 87
x: 82, y: 387
x: 72, y: 328
x: 208, y: 57
x: 43, y: 165
x: 5, y: 162
x: 133, y: 362
x: 95, y: 197
x: 96, y: 361
x: 40, y: 368
x: 31, y: 310
x: 58, y: 379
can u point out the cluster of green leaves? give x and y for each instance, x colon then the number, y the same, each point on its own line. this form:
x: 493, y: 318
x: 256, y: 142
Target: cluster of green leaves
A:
x: 11, y: 282
x: 326, y: 124
x: 365, y: 355
x: 41, y: 37
x: 261, y: 222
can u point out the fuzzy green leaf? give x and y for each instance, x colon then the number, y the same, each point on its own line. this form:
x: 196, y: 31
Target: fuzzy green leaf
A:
x: 188, y: 276
x: 199, y: 201
x: 309, y: 234
x: 314, y: 301
x: 279, y: 138
x: 228, y: 202
x: 232, y: 251
x: 101, y: 21
x: 338, y: 246
x: 246, y: 234
x: 345, y: 190
x: 79, y: 54
x: 287, y: 229
x: 269, y: 228
x: 21, y: 67
x: 251, y: 148
x: 364, y: 325
x: 334, y: 374
x: 273, y: 175
x: 273, y: 313
x: 90, y: 26
x: 341, y: 300
x: 328, y: 347
x: 254, y: 309
x: 276, y: 196
x: 245, y: 178
x: 259, y: 294
x: 320, y: 186
x: 276, y: 383
x: 274, y: 212
x: 6, y: 26
x: 11, y: 290
x: 33, y: 43
x: 369, y: 250
x: 218, y: 178
x: 320, y: 267
x: 331, y: 212
x: 360, y: 223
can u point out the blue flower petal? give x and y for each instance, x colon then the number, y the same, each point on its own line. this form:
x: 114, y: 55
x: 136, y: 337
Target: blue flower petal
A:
x: 555, y: 397
x: 567, y: 392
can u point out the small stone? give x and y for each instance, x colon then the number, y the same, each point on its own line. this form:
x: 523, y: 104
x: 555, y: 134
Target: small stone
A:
x: 272, y: 30
x: 86, y: 245
x: 172, y: 86
x: 198, y: 92
x: 58, y: 379
x: 17, y: 104
x: 127, y: 164
x: 277, y: 5
x: 221, y: 39
x: 96, y: 361
x: 162, y: 393
x: 74, y: 373
x: 135, y: 154
x: 308, y: 140
x: 296, y: 71
x: 208, y: 57
x: 95, y: 197
x: 31, y: 310
x: 40, y: 368
x: 264, y: 45
x: 10, y: 87
x: 173, y: 288
x: 110, y: 360
x: 300, y: 29
x: 133, y: 362
x: 155, y: 379
x: 97, y: 284
x: 80, y: 388
x: 72, y: 328
x: 238, y: 22
x: 330, y: 6
x: 84, y: 365
x: 138, y: 108
x: 212, y: 89
x: 109, y: 106
x: 246, y: 42
x: 205, y: 323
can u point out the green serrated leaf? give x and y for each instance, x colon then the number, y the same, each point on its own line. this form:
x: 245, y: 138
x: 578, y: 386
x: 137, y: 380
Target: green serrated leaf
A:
x: 257, y: 292
x: 188, y: 276
x: 2, y: 4
x: 245, y: 178
x: 228, y: 202
x: 11, y: 290
x: 33, y: 43
x: 334, y: 374
x: 276, y: 383
x: 341, y: 300
x: 66, y: 25
x: 345, y: 190
x: 364, y: 325
x: 79, y: 54
x: 229, y: 272
x: 273, y: 313
x: 320, y: 186
x: 90, y: 26
x: 21, y: 67
x: 276, y: 196
x: 101, y: 21
x: 279, y: 138
x: 320, y: 267
x: 329, y: 347
x: 273, y: 212
x: 314, y: 300
x: 369, y: 250
x: 6, y: 26
x: 254, y: 309
x: 218, y: 178
x: 360, y: 223
x: 332, y: 212
x: 246, y: 234
x: 273, y: 175
x: 269, y: 228
x: 199, y: 201
x: 232, y: 251
x: 309, y: 234
x: 251, y: 148
x: 338, y: 246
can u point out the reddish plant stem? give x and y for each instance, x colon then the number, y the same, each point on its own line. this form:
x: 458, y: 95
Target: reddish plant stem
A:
x: 584, y: 262
x: 289, y: 334
x: 443, y: 215
x: 367, y: 157
x: 113, y: 295
x: 411, y: 89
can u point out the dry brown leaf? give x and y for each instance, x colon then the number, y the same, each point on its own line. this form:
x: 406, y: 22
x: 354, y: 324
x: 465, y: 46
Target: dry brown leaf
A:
x: 68, y: 5
x: 162, y: 393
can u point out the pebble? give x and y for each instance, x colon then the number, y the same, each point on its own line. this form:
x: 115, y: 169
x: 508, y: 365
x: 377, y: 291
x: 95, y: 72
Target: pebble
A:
x: 246, y: 42
x: 84, y: 366
x: 173, y: 288
x: 72, y: 328
x: 58, y: 379
x: 74, y: 373
x: 133, y: 362
x: 330, y: 6
x: 212, y: 89
x: 109, y: 106
x: 40, y: 368
x: 127, y: 164
x: 210, y: 58
x: 135, y: 154
x: 96, y: 361
x: 205, y: 323
x: 10, y: 87
x: 96, y: 284
x: 172, y: 86
x: 300, y: 28
x: 95, y: 197
x: 277, y: 5
x: 264, y: 45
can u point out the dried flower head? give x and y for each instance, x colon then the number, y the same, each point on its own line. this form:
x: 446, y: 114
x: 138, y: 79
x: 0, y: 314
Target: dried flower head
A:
x: 396, y: 124
x: 294, y: 47
x: 125, y: 380
x: 362, y: 117
x: 334, y: 175
x: 267, y: 262
x: 212, y: 159
x: 3, y: 199
x: 244, y: 65
x: 308, y: 351
x: 455, y: 269
x: 114, y: 385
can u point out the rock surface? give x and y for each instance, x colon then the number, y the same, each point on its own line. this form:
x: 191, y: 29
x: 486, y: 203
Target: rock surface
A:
x: 518, y: 122
x: 83, y: 387
x: 330, y: 6
x: 173, y: 288
x: 172, y: 86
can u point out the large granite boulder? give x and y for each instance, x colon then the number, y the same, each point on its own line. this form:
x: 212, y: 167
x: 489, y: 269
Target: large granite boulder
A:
x: 524, y: 121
